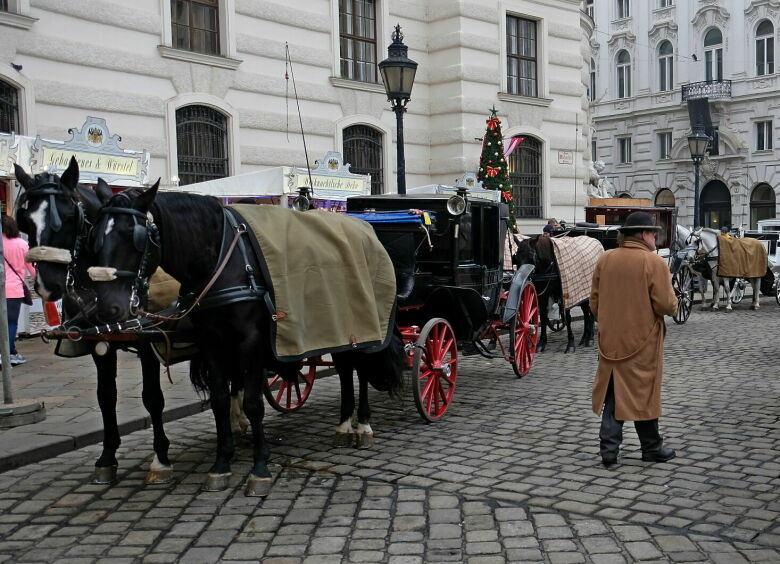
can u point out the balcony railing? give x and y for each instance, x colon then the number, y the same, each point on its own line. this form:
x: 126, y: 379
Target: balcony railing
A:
x: 707, y: 89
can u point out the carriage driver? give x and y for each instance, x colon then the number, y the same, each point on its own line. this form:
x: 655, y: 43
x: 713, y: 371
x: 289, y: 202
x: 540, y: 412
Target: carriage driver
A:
x: 631, y: 293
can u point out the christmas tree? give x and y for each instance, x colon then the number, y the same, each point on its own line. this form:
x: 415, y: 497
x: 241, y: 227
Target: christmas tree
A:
x: 493, y: 171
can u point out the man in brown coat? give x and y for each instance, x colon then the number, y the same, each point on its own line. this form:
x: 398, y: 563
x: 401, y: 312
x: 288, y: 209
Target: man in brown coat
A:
x: 631, y: 293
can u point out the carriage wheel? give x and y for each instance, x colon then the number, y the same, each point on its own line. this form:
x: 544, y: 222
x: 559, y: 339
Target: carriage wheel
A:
x: 525, y: 331
x: 556, y: 325
x: 287, y: 397
x: 738, y: 291
x: 777, y: 292
x: 435, y: 369
x: 682, y: 284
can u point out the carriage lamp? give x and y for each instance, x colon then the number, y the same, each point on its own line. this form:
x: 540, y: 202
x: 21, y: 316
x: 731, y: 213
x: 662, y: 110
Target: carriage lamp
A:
x: 697, y: 143
x: 302, y: 202
x: 398, y: 72
x: 456, y: 205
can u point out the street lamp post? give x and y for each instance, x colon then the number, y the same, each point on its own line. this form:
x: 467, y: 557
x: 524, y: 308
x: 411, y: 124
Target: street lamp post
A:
x: 398, y: 72
x: 697, y: 143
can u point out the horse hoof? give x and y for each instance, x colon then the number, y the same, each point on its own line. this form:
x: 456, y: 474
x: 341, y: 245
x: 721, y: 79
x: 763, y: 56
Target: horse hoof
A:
x: 570, y: 350
x: 257, y: 487
x: 159, y: 475
x: 364, y: 440
x: 755, y: 307
x: 217, y: 482
x: 343, y: 440
x: 104, y: 475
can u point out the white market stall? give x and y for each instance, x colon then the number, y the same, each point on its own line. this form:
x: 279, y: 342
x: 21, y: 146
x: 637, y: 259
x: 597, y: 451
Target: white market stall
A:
x: 332, y: 180
x: 468, y: 181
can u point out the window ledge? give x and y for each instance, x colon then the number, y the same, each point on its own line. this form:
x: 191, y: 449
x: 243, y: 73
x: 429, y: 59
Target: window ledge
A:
x: 763, y: 151
x: 357, y: 85
x: 16, y: 20
x: 199, y: 58
x: 517, y: 98
x: 624, y: 165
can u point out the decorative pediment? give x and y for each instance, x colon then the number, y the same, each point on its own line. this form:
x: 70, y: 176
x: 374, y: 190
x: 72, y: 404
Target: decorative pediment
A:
x: 760, y: 9
x: 666, y: 29
x: 711, y: 15
x: 622, y: 40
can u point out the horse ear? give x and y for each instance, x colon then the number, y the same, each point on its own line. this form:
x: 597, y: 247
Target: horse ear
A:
x: 24, y: 179
x: 70, y: 178
x: 146, y: 199
x: 103, y: 192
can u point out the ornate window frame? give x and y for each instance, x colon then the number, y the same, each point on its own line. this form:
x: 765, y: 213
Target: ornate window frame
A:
x: 539, y: 135
x: 26, y: 100
x: 542, y: 32
x: 383, y: 31
x: 18, y: 15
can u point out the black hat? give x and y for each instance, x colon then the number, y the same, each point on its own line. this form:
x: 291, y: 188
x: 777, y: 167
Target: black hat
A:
x: 639, y: 221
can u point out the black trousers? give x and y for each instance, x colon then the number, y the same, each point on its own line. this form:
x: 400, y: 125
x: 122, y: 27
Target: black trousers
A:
x: 611, y: 433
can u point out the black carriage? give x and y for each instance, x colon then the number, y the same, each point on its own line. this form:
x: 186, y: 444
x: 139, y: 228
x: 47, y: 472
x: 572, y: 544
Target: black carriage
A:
x: 448, y: 256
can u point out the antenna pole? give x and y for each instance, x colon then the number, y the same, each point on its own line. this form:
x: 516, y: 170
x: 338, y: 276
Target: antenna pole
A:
x: 300, y: 119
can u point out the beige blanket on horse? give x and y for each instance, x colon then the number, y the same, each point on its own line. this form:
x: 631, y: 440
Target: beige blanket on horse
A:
x: 745, y: 258
x: 576, y: 258
x: 331, y: 280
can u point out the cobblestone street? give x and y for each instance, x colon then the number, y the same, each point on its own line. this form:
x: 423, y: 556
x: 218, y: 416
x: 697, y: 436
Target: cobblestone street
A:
x: 511, y: 474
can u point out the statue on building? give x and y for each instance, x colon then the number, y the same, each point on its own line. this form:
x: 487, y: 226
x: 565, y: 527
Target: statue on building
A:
x: 598, y: 186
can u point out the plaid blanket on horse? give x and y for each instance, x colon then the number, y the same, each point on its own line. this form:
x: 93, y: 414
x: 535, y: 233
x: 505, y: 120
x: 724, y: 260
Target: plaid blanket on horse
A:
x: 576, y: 258
x: 330, y: 279
x: 741, y: 257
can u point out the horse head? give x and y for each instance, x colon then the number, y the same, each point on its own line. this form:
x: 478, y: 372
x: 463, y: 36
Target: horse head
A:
x: 536, y: 250
x: 55, y: 213
x: 125, y: 247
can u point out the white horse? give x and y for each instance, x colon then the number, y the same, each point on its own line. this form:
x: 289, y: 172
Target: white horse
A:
x: 704, y: 263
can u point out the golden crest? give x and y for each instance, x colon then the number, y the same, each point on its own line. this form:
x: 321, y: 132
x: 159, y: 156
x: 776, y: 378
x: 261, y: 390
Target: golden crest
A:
x: 333, y: 164
x: 95, y: 135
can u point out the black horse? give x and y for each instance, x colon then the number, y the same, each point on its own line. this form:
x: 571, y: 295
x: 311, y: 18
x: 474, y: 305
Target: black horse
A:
x: 188, y: 236
x: 56, y: 213
x: 538, y: 250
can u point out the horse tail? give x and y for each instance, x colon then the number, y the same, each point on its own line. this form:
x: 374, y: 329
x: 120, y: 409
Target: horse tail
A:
x: 199, y: 375
x: 384, y: 369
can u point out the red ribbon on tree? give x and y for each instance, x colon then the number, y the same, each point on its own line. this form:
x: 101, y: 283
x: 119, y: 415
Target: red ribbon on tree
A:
x: 507, y: 196
x: 492, y: 171
x: 493, y: 123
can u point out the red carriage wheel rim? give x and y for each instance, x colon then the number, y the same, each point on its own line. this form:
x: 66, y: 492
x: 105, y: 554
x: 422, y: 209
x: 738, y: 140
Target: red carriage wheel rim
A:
x: 290, y: 396
x: 437, y: 370
x: 526, y: 334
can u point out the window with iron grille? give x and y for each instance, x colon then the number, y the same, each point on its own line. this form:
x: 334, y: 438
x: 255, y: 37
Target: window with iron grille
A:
x: 764, y: 135
x: 525, y: 175
x: 201, y: 144
x: 357, y: 34
x: 521, y: 56
x: 9, y: 108
x: 363, y: 151
x: 195, y: 25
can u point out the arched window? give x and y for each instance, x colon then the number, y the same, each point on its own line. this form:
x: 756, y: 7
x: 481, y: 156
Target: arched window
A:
x: 525, y: 176
x: 715, y: 205
x: 624, y: 195
x: 623, y: 74
x: 363, y: 151
x: 665, y: 66
x: 9, y: 108
x: 592, y: 84
x: 713, y: 55
x: 664, y: 198
x: 762, y: 204
x: 201, y: 144
x: 765, y: 48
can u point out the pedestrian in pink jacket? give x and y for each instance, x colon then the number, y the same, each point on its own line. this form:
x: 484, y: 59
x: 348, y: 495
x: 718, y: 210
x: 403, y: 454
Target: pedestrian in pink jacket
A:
x: 14, y: 249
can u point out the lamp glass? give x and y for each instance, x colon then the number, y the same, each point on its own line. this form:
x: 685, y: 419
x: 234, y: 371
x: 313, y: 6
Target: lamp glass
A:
x: 398, y: 78
x: 697, y: 143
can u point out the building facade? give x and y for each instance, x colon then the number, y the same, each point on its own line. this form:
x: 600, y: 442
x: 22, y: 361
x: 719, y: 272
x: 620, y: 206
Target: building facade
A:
x: 648, y: 59
x: 206, y: 86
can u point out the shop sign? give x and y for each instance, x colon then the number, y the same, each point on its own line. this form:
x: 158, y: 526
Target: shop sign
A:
x: 331, y: 178
x: 98, y: 154
x: 565, y: 157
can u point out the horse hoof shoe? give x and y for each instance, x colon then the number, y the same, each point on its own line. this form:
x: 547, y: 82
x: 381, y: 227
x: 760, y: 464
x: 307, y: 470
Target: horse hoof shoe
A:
x: 104, y: 475
x: 343, y: 440
x: 217, y: 482
x: 364, y: 440
x: 257, y: 487
x: 162, y: 475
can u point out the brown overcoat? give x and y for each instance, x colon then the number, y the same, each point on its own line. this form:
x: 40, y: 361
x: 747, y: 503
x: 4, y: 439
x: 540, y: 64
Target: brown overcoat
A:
x: 631, y: 293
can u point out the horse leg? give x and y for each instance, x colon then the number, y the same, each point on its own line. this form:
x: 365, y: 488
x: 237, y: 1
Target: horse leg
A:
x: 569, y: 333
x: 239, y: 423
x: 703, y: 291
x: 755, y: 283
x: 344, y: 436
x: 219, y: 393
x: 589, y: 327
x: 160, y: 470
x: 715, y: 293
x: 364, y: 437
x: 259, y: 481
x: 543, y: 320
x: 727, y: 288
x: 106, y: 466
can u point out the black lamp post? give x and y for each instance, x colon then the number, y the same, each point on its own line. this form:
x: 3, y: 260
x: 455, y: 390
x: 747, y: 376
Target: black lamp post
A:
x: 697, y: 143
x: 398, y: 72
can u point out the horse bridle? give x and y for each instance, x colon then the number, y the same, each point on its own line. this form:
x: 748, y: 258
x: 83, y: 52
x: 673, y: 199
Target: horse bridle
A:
x: 146, y: 240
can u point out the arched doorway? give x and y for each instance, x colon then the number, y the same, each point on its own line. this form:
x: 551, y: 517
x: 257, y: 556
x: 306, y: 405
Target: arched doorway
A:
x: 762, y: 204
x: 715, y: 203
x: 664, y: 198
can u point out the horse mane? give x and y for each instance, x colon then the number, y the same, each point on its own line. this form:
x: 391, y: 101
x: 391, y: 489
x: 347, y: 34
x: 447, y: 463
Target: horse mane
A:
x: 544, y: 248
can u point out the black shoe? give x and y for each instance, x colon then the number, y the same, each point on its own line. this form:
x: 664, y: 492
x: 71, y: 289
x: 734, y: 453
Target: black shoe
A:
x: 609, y: 459
x: 663, y: 454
